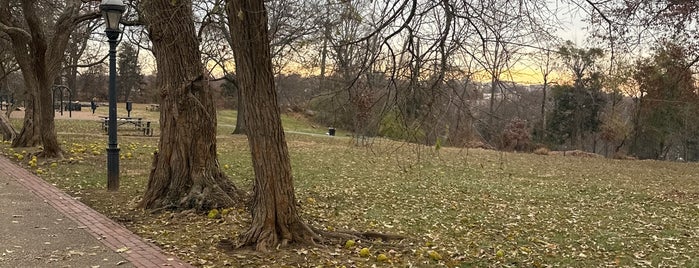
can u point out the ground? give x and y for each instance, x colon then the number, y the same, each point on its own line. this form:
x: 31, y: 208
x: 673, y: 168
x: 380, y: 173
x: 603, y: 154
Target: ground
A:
x: 459, y: 207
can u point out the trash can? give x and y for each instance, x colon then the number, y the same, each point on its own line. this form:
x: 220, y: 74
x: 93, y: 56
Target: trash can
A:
x: 331, y: 131
x: 129, y: 106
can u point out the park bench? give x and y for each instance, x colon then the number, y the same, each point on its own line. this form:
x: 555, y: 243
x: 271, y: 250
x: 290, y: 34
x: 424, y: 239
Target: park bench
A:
x: 138, y: 123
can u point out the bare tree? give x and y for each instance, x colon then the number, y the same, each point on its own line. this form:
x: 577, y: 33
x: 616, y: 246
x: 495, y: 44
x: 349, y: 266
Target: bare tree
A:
x: 291, y: 25
x: 130, y: 77
x: 39, y: 45
x: 79, y: 43
x: 275, y: 219
x: 8, y: 69
x: 186, y: 173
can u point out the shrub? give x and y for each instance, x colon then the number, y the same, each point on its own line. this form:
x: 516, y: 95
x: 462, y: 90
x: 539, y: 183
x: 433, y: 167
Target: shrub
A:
x: 516, y: 135
x: 393, y: 127
x: 542, y: 151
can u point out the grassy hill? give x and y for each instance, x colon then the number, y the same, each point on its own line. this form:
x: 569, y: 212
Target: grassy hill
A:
x: 459, y: 207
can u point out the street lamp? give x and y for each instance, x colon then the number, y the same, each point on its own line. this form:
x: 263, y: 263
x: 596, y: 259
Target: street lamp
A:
x: 112, y: 10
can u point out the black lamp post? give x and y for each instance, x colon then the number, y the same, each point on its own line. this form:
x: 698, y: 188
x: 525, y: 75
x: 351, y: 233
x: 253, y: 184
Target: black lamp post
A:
x: 112, y: 10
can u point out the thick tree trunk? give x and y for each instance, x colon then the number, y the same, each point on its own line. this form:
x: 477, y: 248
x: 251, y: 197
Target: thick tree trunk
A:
x: 29, y: 134
x: 48, y: 135
x: 39, y: 56
x: 185, y: 172
x: 275, y: 219
x: 39, y: 127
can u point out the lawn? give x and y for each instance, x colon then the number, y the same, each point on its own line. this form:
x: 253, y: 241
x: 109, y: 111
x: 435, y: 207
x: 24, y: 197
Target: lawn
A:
x: 458, y: 207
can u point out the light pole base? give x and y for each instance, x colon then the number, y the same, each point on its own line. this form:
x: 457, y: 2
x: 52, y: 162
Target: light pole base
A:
x: 113, y: 169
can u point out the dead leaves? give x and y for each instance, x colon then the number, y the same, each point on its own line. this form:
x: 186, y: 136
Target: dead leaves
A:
x: 471, y: 207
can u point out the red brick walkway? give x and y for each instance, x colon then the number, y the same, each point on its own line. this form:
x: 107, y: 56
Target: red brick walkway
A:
x: 140, y: 253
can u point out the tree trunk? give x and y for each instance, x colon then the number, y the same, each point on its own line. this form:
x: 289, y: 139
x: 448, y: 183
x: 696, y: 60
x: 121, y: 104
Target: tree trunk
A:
x: 542, y: 130
x: 48, y: 135
x: 39, y: 127
x: 29, y: 134
x: 275, y: 220
x: 185, y: 172
x: 240, y: 117
x: 8, y: 132
x: 40, y: 57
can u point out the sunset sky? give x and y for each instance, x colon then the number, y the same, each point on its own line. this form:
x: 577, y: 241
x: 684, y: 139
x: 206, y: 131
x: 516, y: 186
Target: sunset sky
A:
x: 572, y: 27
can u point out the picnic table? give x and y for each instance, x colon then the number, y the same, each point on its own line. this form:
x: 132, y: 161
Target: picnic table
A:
x: 137, y: 122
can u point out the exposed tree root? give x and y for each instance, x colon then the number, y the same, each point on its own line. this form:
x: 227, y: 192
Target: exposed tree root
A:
x: 358, y: 235
x: 25, y: 138
x: 264, y: 238
x: 199, y: 191
x: 163, y: 208
x: 45, y: 154
x: 198, y: 198
x: 303, y: 234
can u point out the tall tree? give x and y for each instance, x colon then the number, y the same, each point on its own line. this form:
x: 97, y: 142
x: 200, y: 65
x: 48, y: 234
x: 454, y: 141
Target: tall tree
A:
x: 578, y: 106
x: 546, y: 68
x: 39, y: 43
x: 667, y: 98
x: 79, y: 43
x: 130, y: 76
x: 216, y: 47
x: 8, y: 65
x: 275, y: 219
x: 640, y: 25
x: 186, y: 173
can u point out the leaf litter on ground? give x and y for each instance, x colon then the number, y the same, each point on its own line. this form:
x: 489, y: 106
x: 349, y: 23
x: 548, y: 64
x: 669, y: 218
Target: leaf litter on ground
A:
x: 459, y: 207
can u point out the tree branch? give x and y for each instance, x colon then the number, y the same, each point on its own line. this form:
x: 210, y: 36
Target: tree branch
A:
x: 87, y: 16
x: 16, y: 30
x: 101, y: 61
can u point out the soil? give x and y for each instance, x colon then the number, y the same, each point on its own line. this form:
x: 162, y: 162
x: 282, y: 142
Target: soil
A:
x: 82, y: 115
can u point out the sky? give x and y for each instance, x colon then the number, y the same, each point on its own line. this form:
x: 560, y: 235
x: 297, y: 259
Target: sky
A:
x: 572, y: 27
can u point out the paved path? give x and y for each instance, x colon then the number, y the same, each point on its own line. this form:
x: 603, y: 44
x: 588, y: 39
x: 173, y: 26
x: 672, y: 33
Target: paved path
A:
x: 41, y: 226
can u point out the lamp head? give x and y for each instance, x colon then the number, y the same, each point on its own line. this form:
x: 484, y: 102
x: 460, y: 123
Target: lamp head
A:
x: 112, y: 11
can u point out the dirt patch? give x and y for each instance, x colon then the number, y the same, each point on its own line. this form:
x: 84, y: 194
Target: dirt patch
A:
x: 80, y: 115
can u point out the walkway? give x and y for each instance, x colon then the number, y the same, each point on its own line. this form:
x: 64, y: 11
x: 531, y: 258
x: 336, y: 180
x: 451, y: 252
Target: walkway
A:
x: 41, y: 226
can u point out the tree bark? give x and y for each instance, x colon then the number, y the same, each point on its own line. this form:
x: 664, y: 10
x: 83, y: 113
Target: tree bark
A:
x: 28, y: 136
x: 185, y: 172
x: 275, y: 220
x: 8, y: 132
x: 240, y: 116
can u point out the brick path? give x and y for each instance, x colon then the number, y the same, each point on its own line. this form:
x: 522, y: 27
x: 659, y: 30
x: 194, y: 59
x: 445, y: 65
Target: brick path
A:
x: 140, y: 253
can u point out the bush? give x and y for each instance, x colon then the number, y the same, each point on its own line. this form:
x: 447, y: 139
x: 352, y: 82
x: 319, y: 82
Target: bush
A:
x: 516, y: 135
x: 330, y: 112
x: 393, y: 127
x: 542, y: 151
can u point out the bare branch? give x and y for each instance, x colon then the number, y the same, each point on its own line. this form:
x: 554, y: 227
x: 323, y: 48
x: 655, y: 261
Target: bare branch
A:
x: 16, y: 30
x: 87, y: 16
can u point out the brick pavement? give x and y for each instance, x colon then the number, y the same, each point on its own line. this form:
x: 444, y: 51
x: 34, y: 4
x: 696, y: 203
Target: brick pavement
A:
x: 140, y: 253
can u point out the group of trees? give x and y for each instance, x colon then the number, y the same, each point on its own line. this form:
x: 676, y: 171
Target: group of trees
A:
x: 667, y: 108
x: 186, y: 172
x: 434, y: 72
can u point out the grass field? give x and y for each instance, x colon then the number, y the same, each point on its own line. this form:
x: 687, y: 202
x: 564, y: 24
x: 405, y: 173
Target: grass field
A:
x: 459, y: 207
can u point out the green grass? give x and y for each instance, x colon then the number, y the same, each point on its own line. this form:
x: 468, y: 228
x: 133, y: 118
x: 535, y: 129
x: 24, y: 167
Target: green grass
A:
x: 476, y: 208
